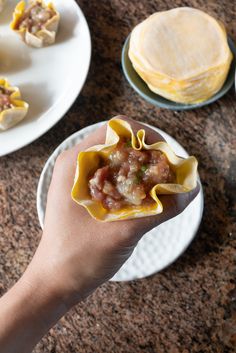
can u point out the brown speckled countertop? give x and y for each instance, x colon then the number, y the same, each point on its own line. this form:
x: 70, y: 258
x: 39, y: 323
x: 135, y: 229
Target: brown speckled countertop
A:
x: 191, y: 306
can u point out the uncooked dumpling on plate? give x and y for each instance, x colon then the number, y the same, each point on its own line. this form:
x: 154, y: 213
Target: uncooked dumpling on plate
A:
x: 12, y: 108
x: 37, y: 23
x: 182, y: 54
x: 122, y: 178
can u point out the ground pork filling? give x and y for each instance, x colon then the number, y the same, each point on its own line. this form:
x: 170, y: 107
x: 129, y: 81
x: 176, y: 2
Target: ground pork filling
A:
x: 35, y: 18
x: 5, y: 100
x: 127, y: 177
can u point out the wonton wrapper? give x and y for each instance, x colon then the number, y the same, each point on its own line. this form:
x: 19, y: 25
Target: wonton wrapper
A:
x: 13, y: 116
x: 88, y: 162
x: 182, y: 54
x: 46, y: 36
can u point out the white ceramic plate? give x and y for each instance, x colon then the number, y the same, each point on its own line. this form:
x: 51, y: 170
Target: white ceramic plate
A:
x: 50, y: 78
x: 158, y: 248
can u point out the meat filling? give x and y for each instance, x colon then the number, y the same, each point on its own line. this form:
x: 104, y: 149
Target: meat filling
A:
x: 5, y: 100
x: 127, y: 177
x: 35, y: 18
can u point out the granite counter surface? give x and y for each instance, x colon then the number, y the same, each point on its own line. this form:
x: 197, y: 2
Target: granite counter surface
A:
x: 191, y: 306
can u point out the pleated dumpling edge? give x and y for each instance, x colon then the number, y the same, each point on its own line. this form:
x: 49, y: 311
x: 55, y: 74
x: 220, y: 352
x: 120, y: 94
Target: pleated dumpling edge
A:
x: 89, y: 161
x: 46, y: 35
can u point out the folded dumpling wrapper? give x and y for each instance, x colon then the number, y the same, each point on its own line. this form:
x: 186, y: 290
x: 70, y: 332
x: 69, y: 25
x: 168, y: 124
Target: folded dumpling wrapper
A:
x: 46, y: 35
x: 182, y: 54
x: 12, y: 116
x: 88, y: 162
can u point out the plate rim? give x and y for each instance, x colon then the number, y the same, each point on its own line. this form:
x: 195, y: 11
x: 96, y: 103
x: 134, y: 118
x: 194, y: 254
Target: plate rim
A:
x: 64, y: 111
x: 168, y: 104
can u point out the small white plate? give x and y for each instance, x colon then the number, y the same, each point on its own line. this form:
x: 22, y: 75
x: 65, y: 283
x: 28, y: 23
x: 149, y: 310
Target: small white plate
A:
x: 158, y: 248
x: 49, y: 78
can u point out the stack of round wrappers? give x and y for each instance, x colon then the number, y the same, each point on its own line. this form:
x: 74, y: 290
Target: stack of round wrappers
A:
x: 182, y: 54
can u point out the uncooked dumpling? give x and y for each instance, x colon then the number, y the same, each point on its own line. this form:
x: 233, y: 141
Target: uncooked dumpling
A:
x: 12, y: 108
x: 124, y: 177
x: 37, y: 24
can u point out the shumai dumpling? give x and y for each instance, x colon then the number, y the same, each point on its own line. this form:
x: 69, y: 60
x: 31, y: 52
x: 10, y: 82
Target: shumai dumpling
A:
x: 37, y: 23
x: 12, y: 108
x: 123, y: 178
x: 2, y: 3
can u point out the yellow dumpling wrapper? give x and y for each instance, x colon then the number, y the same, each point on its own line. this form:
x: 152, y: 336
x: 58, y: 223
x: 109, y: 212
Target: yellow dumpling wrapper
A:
x: 46, y: 35
x: 12, y: 116
x: 182, y: 54
x: 88, y: 162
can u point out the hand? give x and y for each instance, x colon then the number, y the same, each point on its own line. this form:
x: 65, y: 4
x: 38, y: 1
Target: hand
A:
x: 78, y: 253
